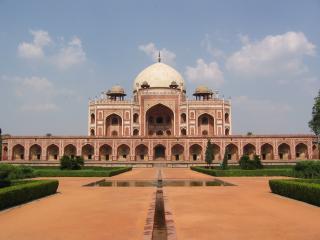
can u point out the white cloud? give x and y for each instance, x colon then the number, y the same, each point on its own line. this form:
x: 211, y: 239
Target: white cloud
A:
x: 273, y: 55
x: 215, y: 52
x: 72, y: 54
x: 205, y: 72
x: 63, y: 55
x: 152, y: 51
x: 37, y: 93
x: 34, y: 50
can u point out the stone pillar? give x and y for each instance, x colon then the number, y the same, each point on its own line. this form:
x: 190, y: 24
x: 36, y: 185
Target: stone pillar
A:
x: 9, y: 153
x: 43, y: 153
x: 275, y: 152
x: 96, y: 152
x: 26, y: 152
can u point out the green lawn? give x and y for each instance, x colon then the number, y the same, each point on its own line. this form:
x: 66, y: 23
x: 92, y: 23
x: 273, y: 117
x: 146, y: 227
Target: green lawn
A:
x: 236, y: 172
x: 85, y: 172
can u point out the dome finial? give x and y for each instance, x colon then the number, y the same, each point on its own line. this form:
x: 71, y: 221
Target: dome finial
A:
x: 159, y: 57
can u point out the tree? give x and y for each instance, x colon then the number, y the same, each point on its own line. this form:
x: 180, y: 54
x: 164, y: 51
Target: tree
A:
x: 0, y: 144
x: 314, y: 123
x: 224, y: 164
x: 209, y: 153
x: 249, y: 133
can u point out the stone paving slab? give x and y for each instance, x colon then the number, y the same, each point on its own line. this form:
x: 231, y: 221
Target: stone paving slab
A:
x: 78, y: 212
x: 246, y: 211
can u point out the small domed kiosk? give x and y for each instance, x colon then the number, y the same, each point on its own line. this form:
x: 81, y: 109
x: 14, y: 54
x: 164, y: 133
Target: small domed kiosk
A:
x: 203, y: 93
x: 116, y: 93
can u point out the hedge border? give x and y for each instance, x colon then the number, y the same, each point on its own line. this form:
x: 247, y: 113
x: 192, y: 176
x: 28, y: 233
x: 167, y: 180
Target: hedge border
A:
x: 26, y: 191
x: 244, y: 173
x: 81, y: 173
x: 306, y: 190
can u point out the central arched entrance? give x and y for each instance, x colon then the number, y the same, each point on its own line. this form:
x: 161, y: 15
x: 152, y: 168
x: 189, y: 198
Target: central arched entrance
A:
x: 159, y: 152
x: 159, y: 121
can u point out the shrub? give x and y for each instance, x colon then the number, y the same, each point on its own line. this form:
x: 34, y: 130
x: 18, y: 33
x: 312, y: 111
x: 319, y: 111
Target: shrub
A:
x: 244, y: 173
x: 25, y: 191
x: 303, y: 190
x: 224, y: 164
x: 246, y: 163
x: 71, y: 163
x: 209, y: 153
x: 11, y: 172
x: 307, y: 169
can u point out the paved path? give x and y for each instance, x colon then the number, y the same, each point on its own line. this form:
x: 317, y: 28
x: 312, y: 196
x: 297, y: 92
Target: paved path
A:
x: 246, y: 211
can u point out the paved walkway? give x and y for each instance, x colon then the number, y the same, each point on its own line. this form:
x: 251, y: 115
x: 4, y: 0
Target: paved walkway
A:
x: 246, y: 211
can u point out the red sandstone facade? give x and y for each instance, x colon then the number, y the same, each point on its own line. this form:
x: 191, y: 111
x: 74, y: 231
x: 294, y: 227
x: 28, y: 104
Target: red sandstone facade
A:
x: 159, y: 125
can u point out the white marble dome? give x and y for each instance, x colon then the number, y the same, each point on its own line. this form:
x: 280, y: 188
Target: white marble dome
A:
x: 158, y: 75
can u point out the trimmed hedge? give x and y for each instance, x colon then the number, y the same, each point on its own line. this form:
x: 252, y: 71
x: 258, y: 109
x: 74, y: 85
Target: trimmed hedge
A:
x: 81, y: 173
x: 300, y: 189
x: 244, y: 173
x: 25, y: 191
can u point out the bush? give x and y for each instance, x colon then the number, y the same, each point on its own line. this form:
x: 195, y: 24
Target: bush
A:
x: 224, y: 164
x: 244, y: 173
x: 71, y: 163
x: 11, y: 172
x: 25, y: 191
x: 246, y: 163
x: 303, y: 190
x: 307, y: 169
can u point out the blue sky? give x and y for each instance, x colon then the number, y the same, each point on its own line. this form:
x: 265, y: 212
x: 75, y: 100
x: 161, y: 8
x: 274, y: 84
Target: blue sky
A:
x: 55, y: 55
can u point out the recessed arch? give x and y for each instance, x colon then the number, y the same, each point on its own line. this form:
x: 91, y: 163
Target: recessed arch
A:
x: 135, y: 132
x: 136, y: 118
x: 232, y: 152
x: 52, y: 152
x: 159, y: 118
x: 284, y: 151
x: 216, y: 152
x: 159, y: 152
x: 226, y: 118
x: 4, y: 153
x: 183, y: 132
x: 249, y: 150
x: 141, y: 152
x: 123, y: 152
x: 315, y: 152
x: 267, y: 152
x: 92, y: 132
x: 301, y: 151
x: 227, y: 132
x: 92, y: 118
x: 70, y: 150
x: 206, y: 124
x: 183, y: 118
x: 105, y: 152
x: 113, y: 125
x: 159, y: 133
x: 195, y: 152
x: 18, y: 152
x: 87, y: 152
x: 177, y: 152
x: 35, y: 152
